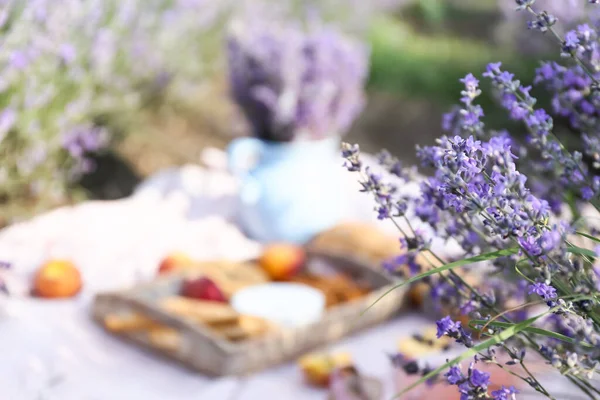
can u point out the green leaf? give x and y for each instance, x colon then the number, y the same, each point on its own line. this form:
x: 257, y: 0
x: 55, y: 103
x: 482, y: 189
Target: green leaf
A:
x: 531, y: 329
x: 482, y: 257
x: 519, y: 271
x: 588, y: 236
x: 500, y: 337
x: 581, y: 251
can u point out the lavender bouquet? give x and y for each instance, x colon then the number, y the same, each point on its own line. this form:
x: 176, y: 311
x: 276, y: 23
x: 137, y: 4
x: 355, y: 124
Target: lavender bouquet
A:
x: 529, y: 280
x: 294, y: 85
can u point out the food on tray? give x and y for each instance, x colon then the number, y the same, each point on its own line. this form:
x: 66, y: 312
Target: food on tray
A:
x: 164, y: 338
x: 219, y: 318
x: 424, y: 343
x: 417, y: 294
x: 357, y: 239
x: 246, y: 327
x: 230, y: 276
x: 127, y: 323
x: 249, y: 326
x: 337, y: 288
x: 282, y: 261
x: 206, y: 312
x: 202, y: 288
x: 176, y: 261
x: 317, y: 367
x: 57, y: 279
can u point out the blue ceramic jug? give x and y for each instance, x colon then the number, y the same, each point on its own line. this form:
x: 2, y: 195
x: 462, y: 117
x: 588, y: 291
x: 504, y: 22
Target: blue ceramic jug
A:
x: 293, y: 191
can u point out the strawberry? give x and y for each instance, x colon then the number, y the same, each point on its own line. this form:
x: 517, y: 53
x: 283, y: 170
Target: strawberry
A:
x: 202, y: 289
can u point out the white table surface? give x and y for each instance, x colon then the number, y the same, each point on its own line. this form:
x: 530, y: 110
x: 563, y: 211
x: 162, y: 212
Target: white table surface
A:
x: 116, y: 244
x: 59, y: 340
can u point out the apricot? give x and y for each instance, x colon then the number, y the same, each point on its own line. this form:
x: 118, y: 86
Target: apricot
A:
x: 282, y: 261
x: 57, y: 279
x: 174, y: 262
x: 317, y: 368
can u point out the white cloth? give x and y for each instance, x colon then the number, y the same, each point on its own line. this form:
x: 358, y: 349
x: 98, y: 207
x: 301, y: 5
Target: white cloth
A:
x: 115, y: 244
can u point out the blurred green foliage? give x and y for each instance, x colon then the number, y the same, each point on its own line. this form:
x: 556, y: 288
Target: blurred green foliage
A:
x: 428, y: 64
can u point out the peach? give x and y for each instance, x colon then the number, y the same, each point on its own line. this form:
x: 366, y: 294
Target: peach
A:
x: 174, y: 262
x: 317, y: 368
x: 57, y: 279
x: 282, y: 261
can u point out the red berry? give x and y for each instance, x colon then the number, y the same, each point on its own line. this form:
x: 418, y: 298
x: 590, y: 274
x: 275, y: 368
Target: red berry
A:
x: 202, y: 289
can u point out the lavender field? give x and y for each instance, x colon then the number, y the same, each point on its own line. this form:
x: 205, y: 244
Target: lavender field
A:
x: 99, y: 94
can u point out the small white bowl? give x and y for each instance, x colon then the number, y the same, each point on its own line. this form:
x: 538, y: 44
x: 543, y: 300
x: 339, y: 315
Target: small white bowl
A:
x: 286, y: 304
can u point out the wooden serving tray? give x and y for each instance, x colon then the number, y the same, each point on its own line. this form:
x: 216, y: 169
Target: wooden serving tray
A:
x: 206, y: 352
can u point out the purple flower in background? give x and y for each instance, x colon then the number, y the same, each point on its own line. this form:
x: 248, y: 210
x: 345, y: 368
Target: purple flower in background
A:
x: 82, y: 140
x: 67, y: 53
x: 19, y: 60
x: 547, y: 292
x: 292, y: 84
x: 8, y: 117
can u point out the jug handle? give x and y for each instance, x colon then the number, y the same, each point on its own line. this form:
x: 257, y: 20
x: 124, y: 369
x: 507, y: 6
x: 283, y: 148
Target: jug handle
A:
x: 239, y: 152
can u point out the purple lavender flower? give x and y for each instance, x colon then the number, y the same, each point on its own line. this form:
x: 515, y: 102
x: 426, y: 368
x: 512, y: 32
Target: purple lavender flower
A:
x: 473, y: 386
x: 446, y: 326
x: 571, y: 173
x: 571, y: 43
x: 394, y: 166
x: 479, y: 378
x: 351, y: 155
x: 454, y: 375
x: 547, y: 292
x: 480, y: 197
x: 523, y: 4
x: 530, y: 245
x: 543, y: 21
x: 408, y: 259
x: 505, y: 393
x: 293, y: 85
